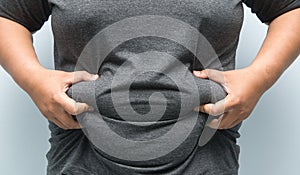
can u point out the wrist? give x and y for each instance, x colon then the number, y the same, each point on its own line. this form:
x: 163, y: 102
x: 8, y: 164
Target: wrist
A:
x: 267, y: 75
x: 29, y: 76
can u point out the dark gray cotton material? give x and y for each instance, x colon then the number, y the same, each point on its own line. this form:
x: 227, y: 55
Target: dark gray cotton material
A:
x: 269, y: 10
x: 75, y: 23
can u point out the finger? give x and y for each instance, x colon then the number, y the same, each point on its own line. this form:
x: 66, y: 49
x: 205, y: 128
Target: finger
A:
x: 229, y: 121
x: 79, y: 76
x: 215, y: 123
x: 213, y: 109
x: 67, y: 120
x: 51, y: 117
x: 200, y: 74
x: 72, y: 107
x: 214, y: 75
x: 233, y: 124
x: 57, y: 122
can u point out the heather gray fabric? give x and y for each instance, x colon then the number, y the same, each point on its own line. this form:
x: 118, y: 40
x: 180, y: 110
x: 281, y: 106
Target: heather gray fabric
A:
x: 77, y: 22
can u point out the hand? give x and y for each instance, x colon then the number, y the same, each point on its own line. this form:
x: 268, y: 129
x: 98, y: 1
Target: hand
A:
x: 244, y: 88
x: 48, y: 91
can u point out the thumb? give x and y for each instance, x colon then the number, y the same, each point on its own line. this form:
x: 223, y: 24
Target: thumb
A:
x: 200, y: 74
x: 74, y: 108
x: 212, y: 74
x: 79, y: 76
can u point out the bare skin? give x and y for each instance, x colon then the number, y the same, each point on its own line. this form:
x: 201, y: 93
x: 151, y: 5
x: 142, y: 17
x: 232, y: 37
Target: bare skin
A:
x: 246, y: 86
x: 46, y: 87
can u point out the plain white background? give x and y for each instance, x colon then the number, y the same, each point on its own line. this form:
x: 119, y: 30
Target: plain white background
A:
x: 270, y: 137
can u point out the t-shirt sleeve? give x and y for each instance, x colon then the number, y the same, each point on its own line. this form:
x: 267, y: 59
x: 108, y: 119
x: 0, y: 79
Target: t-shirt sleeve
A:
x: 267, y: 10
x: 32, y: 14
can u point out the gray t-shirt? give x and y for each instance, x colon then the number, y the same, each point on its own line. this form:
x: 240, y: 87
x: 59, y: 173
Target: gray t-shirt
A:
x: 145, y: 47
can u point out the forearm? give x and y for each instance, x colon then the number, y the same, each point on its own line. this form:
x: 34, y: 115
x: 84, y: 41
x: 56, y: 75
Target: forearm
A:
x: 17, y: 55
x: 280, y: 48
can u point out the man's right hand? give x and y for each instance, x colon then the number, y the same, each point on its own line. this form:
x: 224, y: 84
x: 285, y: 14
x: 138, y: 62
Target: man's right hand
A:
x: 47, y: 88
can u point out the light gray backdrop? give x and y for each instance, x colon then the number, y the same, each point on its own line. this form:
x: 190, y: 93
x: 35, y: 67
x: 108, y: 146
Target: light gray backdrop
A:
x: 270, y: 139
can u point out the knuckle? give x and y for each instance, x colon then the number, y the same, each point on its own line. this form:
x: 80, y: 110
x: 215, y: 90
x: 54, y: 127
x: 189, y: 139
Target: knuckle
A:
x: 50, y: 109
x: 235, y: 101
x: 73, y: 111
x: 78, y: 109
x: 85, y: 108
x: 68, y: 107
x: 45, y: 111
x: 214, y: 111
x: 55, y: 98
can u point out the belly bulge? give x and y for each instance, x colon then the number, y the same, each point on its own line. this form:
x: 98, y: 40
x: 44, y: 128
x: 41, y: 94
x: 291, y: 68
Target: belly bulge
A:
x: 146, y: 108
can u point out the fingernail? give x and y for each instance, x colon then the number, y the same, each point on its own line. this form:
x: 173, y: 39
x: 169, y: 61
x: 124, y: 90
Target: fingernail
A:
x: 95, y: 77
x: 197, y: 73
x: 90, y: 109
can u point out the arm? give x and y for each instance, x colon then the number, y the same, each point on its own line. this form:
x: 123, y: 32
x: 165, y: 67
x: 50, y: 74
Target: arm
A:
x: 280, y: 48
x: 245, y: 86
x: 46, y: 87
